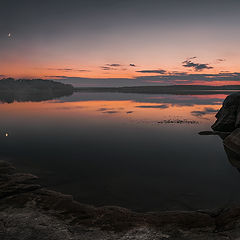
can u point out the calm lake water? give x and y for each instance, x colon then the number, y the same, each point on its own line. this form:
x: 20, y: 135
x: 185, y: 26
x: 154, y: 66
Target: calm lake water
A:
x: 133, y: 150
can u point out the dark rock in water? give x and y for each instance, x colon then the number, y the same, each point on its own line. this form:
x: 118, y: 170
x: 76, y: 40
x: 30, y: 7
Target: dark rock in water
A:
x: 232, y: 141
x: 228, y: 117
x: 233, y: 158
x: 222, y: 135
x: 29, y: 211
x: 207, y: 133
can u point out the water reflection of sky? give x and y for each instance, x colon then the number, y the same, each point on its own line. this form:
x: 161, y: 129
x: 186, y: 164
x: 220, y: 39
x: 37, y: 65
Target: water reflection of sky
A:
x: 110, y: 149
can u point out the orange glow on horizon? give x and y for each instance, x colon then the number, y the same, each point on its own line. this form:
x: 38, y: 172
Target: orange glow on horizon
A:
x: 24, y: 69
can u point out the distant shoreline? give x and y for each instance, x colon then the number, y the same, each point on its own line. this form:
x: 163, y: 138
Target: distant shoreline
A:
x: 175, y: 89
x: 47, y: 89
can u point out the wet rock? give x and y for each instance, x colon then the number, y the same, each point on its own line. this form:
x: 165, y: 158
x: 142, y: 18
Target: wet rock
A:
x: 228, y: 117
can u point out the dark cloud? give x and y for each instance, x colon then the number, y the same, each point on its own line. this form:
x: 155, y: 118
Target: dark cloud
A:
x: 162, y: 106
x: 176, y: 73
x: 107, y: 68
x: 204, y: 112
x: 63, y: 69
x: 159, y: 71
x: 114, y: 65
x: 132, y: 65
x: 196, y: 66
x: 82, y: 70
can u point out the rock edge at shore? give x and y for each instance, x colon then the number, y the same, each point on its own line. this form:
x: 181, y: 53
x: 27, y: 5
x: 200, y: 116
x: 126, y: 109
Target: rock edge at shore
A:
x: 29, y: 211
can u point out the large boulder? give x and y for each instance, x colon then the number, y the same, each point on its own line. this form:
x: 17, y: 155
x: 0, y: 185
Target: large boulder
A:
x: 228, y: 117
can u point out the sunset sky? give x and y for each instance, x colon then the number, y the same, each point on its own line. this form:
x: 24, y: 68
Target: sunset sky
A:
x: 121, y: 43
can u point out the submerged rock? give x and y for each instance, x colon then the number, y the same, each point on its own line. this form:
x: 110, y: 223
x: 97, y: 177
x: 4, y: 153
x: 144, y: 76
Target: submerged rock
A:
x: 228, y: 117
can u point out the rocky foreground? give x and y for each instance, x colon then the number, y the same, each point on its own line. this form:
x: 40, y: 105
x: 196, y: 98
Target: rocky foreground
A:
x: 29, y: 211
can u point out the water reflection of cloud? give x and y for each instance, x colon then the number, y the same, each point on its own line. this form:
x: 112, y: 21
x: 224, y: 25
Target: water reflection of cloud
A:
x: 103, y: 109
x: 204, y: 112
x: 111, y: 112
x: 70, y: 107
x: 186, y: 100
x: 153, y: 106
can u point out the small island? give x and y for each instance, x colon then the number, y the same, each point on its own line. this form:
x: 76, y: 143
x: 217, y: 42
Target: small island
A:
x: 23, y: 90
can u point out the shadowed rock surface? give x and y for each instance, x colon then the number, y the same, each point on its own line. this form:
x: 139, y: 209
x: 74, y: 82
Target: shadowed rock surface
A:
x: 28, y: 211
x: 233, y: 142
x: 227, y: 127
x: 228, y: 117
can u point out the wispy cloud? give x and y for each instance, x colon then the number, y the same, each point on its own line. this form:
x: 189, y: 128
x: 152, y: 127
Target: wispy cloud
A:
x: 111, y: 66
x: 114, y: 65
x: 196, y: 66
x: 221, y: 60
x: 107, y: 68
x: 159, y: 71
x: 68, y: 69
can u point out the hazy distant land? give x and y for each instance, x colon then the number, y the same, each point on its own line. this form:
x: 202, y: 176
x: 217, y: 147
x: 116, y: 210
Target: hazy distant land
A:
x: 173, y: 89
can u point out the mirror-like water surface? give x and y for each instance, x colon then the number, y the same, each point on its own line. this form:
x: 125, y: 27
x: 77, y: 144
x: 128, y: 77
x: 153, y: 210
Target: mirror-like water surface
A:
x: 132, y: 150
